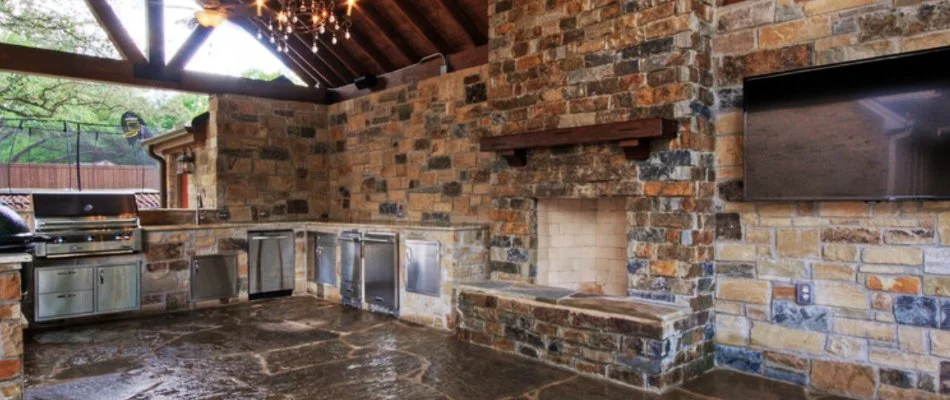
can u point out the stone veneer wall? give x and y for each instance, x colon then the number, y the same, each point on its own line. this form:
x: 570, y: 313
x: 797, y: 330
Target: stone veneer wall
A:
x: 411, y: 153
x: 881, y: 323
x: 267, y: 159
x: 11, y: 333
x: 575, y: 63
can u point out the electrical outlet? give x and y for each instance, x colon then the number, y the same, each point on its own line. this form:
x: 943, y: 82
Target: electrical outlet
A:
x: 804, y: 294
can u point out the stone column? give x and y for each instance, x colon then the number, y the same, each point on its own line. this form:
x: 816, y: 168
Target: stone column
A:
x: 11, y: 327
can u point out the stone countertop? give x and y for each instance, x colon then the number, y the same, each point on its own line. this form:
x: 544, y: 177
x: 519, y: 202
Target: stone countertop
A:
x: 626, y: 306
x: 318, y: 223
x: 15, y: 258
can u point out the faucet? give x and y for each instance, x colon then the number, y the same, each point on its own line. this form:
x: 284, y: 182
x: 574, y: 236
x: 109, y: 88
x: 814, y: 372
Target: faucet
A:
x: 198, y: 211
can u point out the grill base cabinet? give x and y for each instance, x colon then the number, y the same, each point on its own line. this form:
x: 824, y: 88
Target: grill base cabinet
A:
x: 84, y: 287
x: 115, y: 290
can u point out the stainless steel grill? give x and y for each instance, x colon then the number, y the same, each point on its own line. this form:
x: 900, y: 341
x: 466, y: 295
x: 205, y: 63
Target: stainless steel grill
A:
x: 81, y: 224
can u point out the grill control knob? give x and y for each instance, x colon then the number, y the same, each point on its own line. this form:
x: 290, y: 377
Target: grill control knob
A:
x: 118, y: 236
x: 89, y: 238
x: 58, y: 239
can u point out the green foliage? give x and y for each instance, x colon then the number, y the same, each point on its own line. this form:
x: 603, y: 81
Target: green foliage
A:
x: 64, y: 27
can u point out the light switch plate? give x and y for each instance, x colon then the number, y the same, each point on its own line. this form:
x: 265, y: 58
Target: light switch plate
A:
x: 804, y: 294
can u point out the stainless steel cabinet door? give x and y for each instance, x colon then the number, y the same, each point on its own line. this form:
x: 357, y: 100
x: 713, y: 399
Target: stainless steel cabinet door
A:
x: 117, y: 288
x: 326, y: 259
x: 271, y: 259
x: 423, y: 272
x: 380, y: 269
x: 213, y: 277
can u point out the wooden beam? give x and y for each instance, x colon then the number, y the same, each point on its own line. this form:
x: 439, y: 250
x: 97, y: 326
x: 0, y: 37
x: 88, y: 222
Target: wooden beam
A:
x: 76, y: 66
x: 633, y: 136
x: 116, y: 31
x: 389, y: 33
x: 418, y: 72
x: 423, y: 26
x: 475, y: 33
x: 188, y: 49
x: 155, y: 15
x: 299, y: 68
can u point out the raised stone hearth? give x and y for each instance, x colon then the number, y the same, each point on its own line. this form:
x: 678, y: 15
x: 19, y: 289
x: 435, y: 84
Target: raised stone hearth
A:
x: 582, y: 245
x: 633, y: 342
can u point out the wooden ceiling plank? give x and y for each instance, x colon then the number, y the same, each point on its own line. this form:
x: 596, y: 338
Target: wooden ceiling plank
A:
x: 371, y: 50
x: 303, y: 52
x: 331, y: 61
x: 424, y: 27
x: 389, y: 33
x: 31, y: 60
x: 475, y: 33
x: 188, y: 49
x: 251, y: 26
x: 155, y: 15
x: 111, y: 23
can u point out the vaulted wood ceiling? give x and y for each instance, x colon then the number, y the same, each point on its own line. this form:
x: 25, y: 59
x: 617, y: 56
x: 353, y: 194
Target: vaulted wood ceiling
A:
x: 387, y: 35
x: 389, y: 38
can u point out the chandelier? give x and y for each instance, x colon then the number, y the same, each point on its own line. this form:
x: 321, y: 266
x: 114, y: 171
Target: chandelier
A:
x: 305, y: 17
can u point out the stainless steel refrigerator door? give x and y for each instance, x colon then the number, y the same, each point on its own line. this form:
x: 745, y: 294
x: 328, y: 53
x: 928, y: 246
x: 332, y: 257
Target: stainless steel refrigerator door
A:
x: 214, y: 277
x: 381, y: 269
x: 351, y: 269
x: 423, y: 269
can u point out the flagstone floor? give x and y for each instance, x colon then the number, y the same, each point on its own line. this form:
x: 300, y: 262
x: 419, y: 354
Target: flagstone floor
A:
x: 303, y: 348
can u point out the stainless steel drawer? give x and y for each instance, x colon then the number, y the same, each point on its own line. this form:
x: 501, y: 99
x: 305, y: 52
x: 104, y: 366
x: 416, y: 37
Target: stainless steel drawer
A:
x: 61, y: 305
x: 60, y: 280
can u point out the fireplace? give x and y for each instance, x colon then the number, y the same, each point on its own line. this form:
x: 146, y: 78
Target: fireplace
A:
x: 582, y: 244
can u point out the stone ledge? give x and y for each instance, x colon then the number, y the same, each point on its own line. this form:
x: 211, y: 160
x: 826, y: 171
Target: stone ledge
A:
x: 15, y: 258
x: 608, y: 305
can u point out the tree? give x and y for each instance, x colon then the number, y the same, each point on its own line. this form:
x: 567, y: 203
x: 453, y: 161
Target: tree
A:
x: 68, y: 26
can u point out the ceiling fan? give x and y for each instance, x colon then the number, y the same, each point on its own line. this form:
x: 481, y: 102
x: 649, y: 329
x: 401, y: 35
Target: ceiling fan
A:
x: 215, y: 12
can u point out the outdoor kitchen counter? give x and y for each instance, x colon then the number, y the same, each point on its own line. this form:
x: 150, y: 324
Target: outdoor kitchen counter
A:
x: 265, y: 225
x: 169, y: 250
x: 15, y: 258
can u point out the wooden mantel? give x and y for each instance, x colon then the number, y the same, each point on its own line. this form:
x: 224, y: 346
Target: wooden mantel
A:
x: 633, y: 136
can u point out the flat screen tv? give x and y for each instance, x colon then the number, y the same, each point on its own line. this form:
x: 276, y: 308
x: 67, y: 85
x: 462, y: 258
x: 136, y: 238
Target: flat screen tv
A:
x: 874, y: 130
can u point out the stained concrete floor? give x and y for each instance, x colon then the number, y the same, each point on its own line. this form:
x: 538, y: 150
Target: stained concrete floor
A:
x: 302, y: 348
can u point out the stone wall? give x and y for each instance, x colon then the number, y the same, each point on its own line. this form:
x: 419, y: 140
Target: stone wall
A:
x: 268, y: 161
x: 579, y: 63
x: 649, y: 354
x: 11, y: 331
x: 881, y: 322
x: 411, y: 152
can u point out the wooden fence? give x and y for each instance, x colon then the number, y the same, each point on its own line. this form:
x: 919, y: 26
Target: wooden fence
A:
x: 94, y: 177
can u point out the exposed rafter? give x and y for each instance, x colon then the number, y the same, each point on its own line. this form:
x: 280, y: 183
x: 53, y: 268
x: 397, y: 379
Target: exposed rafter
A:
x: 117, y: 34
x: 423, y: 26
x: 299, y: 67
x: 188, y: 49
x: 475, y: 33
x: 342, y: 56
x: 371, y: 50
x: 389, y: 33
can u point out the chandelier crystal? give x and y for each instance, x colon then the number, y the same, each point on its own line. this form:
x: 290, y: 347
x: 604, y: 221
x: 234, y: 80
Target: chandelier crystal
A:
x: 303, y: 17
